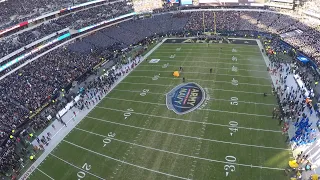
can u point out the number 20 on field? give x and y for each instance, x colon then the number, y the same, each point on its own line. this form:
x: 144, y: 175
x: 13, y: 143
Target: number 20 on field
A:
x: 82, y: 174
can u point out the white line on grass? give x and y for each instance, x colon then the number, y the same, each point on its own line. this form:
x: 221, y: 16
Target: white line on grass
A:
x: 209, y: 62
x: 185, y: 136
x: 212, y: 99
x: 261, y: 115
x: 211, y: 44
x: 76, y: 166
x: 124, y: 162
x: 161, y: 150
x: 246, y: 92
x: 208, y: 68
x: 203, y: 52
x: 191, y: 121
x: 249, y: 84
x: 196, y: 48
x: 208, y: 57
x: 45, y: 174
x: 255, y: 77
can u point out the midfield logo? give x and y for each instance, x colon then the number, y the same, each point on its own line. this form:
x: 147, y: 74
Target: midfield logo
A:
x: 185, y: 98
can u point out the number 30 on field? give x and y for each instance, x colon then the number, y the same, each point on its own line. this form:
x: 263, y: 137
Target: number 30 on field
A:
x: 108, y: 139
x: 229, y: 167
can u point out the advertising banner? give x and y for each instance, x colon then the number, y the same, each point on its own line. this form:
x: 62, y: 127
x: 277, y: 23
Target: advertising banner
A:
x: 173, y: 1
x: 186, y: 2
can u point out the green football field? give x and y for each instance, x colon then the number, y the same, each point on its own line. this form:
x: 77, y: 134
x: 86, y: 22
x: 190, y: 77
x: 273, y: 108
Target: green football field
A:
x: 132, y: 134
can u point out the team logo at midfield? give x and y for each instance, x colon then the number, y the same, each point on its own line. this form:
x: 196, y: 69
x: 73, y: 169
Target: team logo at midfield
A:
x: 185, y: 98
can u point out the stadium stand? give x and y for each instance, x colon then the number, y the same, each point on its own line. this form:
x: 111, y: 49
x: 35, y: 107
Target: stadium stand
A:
x: 73, y: 21
x: 27, y: 89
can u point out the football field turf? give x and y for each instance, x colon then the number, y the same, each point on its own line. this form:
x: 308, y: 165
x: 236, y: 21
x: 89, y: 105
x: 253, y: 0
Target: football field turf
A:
x: 132, y: 134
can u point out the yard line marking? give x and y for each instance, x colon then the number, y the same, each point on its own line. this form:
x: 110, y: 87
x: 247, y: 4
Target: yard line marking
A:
x: 160, y: 51
x: 196, y: 48
x: 170, y: 152
x: 185, y: 136
x: 124, y: 162
x: 239, y: 69
x: 251, y: 59
x: 209, y: 62
x: 249, y: 84
x: 202, y: 73
x: 190, y: 121
x: 45, y: 174
x: 261, y: 115
x: 76, y: 166
x: 246, y: 92
x: 212, y: 99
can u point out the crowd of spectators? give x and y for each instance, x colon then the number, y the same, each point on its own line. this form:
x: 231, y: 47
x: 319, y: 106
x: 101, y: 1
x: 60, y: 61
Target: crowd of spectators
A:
x: 14, y: 12
x: 312, y: 6
x: 270, y: 22
x: 75, y: 20
x: 27, y: 89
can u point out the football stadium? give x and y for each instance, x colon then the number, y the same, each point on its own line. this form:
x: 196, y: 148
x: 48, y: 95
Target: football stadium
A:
x: 159, y: 89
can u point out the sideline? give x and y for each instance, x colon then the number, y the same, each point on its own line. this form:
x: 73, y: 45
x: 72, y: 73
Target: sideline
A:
x: 65, y: 130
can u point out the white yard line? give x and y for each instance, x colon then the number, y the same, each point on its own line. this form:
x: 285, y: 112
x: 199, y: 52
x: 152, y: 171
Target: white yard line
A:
x: 256, y: 77
x: 169, y: 152
x: 204, y: 57
x: 211, y: 44
x: 200, y: 48
x: 124, y: 162
x: 144, y: 102
x: 211, y: 99
x: 216, y: 68
x: 249, y: 84
x: 191, y: 121
x: 185, y: 136
x: 209, y: 62
x: 182, y: 52
x: 246, y: 92
x: 45, y: 174
x: 77, y: 167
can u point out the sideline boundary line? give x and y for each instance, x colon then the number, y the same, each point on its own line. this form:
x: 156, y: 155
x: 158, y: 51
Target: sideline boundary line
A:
x: 42, y: 157
x: 124, y: 162
x: 185, y: 136
x: 170, y: 152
